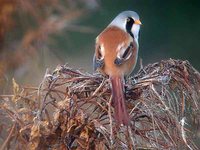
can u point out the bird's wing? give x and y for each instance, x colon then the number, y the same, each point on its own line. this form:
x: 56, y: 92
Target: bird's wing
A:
x: 98, y: 59
x: 97, y: 63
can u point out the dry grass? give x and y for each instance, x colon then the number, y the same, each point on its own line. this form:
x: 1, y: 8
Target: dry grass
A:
x: 71, y: 110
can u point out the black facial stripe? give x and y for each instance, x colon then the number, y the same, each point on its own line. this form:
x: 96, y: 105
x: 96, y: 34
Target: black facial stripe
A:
x: 129, y: 25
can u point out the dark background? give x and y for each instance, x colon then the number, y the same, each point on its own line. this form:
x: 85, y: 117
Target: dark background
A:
x: 30, y: 44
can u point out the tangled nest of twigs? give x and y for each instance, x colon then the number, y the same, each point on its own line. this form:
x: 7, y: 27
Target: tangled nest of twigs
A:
x: 71, y: 110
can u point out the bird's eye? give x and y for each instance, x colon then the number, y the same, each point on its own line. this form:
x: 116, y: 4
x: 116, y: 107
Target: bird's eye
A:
x: 130, y: 20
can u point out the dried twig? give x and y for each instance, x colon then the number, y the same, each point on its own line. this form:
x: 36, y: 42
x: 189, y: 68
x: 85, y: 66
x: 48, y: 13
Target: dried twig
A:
x: 72, y: 110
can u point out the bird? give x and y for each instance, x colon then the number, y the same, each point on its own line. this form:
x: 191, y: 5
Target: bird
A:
x: 116, y: 52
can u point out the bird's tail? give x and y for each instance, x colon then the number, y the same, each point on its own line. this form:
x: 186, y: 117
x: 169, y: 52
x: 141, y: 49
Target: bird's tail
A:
x: 118, y: 101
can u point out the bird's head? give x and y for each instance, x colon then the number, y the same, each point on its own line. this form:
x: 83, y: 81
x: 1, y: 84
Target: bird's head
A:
x: 128, y: 21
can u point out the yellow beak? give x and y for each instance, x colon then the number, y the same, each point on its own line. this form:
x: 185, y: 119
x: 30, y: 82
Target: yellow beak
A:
x: 138, y: 22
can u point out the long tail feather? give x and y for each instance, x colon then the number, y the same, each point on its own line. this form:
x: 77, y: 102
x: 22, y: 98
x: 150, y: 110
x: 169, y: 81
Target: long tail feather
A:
x: 118, y: 101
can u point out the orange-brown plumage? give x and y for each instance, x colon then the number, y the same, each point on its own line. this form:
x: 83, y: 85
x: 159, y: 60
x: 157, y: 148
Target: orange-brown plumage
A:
x: 111, y: 38
x: 116, y: 55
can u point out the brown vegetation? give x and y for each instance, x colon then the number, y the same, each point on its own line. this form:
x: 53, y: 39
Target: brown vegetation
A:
x: 71, y: 110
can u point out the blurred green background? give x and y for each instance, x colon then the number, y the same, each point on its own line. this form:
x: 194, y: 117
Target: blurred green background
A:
x: 36, y: 35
